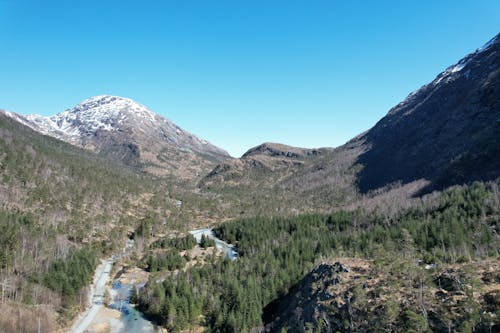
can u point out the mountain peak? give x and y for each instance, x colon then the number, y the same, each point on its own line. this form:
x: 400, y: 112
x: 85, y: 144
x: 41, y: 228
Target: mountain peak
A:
x: 454, y: 70
x: 129, y: 131
x: 281, y: 150
x: 494, y: 40
x: 101, y: 100
x: 112, y: 106
x: 468, y: 68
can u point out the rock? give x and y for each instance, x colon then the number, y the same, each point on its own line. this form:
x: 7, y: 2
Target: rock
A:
x: 448, y: 283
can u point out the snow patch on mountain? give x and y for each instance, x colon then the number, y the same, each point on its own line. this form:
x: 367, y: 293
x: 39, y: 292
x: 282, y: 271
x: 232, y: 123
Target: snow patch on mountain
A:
x: 452, y: 72
x: 448, y: 75
x: 120, y: 118
x: 99, y: 113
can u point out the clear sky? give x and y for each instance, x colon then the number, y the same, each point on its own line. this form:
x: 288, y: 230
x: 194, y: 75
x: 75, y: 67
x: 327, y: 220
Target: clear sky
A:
x: 237, y: 73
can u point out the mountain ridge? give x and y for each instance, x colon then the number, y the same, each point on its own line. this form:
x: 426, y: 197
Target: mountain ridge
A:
x: 128, y: 131
x: 454, y: 115
x: 445, y: 133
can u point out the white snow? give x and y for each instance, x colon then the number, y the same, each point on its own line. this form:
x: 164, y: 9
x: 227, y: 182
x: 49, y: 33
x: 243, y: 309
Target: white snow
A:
x: 487, y: 45
x: 96, y: 113
x: 450, y: 72
x: 111, y: 113
x: 457, y: 68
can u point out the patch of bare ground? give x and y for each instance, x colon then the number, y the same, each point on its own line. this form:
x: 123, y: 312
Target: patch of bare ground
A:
x: 131, y: 275
x: 195, y: 329
x: 105, y: 320
x: 199, y: 255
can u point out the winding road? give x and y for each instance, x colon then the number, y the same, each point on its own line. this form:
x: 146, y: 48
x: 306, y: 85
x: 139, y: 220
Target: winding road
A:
x: 101, y: 277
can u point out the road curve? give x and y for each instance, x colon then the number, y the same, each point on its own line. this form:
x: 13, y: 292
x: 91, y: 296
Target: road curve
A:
x: 101, y: 277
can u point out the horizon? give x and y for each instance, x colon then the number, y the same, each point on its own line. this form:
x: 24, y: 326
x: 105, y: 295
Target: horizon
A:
x: 240, y: 74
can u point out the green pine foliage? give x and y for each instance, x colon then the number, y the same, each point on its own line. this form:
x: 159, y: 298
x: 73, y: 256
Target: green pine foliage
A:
x: 274, y: 253
x: 170, y: 260
x: 206, y: 242
x: 52, y: 267
x: 68, y: 276
x: 179, y: 244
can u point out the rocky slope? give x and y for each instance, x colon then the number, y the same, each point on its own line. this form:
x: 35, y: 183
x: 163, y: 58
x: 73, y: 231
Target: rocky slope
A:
x: 356, y: 295
x: 308, y: 302
x: 445, y: 133
x: 125, y: 130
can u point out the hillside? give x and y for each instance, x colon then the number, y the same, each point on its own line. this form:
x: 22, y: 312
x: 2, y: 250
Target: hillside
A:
x: 401, y: 273
x: 264, y: 165
x: 447, y: 132
x: 57, y: 180
x: 61, y: 208
x: 360, y: 295
x: 443, y: 134
x: 278, y: 179
x: 75, y: 186
x: 122, y: 129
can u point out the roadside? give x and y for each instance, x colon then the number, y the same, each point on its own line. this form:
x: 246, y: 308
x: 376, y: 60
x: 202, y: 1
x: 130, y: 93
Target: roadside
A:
x: 96, y: 296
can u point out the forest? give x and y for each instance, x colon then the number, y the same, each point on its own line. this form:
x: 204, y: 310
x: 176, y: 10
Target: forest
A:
x: 275, y: 253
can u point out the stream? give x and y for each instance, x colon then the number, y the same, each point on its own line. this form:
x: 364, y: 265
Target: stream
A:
x: 228, y: 249
x: 130, y: 320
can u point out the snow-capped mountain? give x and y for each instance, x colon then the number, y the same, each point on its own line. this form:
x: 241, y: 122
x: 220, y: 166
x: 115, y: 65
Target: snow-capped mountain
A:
x: 124, y: 129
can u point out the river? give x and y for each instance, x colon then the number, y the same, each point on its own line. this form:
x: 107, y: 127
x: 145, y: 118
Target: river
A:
x: 119, y: 316
x: 228, y: 249
x: 130, y: 320
x: 125, y: 318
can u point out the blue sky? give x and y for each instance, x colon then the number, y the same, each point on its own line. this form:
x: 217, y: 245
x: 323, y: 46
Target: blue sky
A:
x: 237, y: 73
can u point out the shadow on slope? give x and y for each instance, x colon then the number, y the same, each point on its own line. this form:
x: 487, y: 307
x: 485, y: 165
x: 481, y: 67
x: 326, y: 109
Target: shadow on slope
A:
x: 447, y: 132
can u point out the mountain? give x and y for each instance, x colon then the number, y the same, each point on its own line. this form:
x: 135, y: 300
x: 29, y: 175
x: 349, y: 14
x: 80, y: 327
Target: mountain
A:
x: 125, y: 130
x: 265, y: 159
x: 445, y: 133
x: 282, y: 179
x: 56, y: 199
x: 72, y: 190
x: 66, y: 186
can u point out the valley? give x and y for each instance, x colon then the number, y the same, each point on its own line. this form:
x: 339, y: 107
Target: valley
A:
x: 110, y: 297
x: 115, y: 219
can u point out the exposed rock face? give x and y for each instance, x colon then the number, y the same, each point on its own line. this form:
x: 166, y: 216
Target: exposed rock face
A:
x: 309, y: 302
x: 370, y: 297
x: 447, y: 132
x: 128, y: 131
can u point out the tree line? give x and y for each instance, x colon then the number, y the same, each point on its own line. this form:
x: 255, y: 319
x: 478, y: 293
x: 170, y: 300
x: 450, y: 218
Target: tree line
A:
x: 274, y: 253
